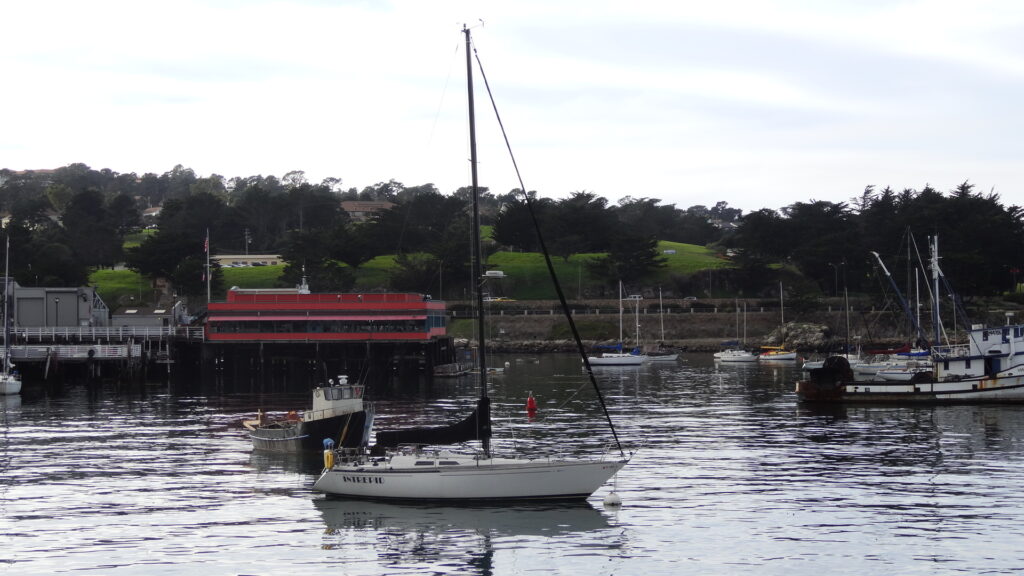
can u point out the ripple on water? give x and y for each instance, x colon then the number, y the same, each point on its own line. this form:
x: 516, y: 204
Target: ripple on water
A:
x: 733, y: 476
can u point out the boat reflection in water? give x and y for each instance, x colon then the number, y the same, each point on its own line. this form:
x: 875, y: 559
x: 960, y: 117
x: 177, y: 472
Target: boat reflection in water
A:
x: 341, y: 515
x: 303, y: 462
x: 468, y: 539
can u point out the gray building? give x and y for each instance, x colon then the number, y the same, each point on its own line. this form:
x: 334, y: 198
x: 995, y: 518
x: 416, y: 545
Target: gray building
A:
x: 135, y: 316
x: 52, y: 307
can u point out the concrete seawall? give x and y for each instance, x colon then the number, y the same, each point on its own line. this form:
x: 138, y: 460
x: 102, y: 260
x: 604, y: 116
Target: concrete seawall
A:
x: 544, y: 329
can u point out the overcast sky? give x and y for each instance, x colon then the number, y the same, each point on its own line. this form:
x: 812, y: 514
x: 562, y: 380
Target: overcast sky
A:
x: 758, y: 104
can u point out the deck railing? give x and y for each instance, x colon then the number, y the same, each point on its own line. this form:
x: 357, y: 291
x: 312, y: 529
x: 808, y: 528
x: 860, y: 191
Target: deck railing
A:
x: 76, y: 352
x: 28, y: 335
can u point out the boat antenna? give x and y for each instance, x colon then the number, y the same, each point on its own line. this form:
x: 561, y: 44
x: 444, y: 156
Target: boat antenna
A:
x: 483, y: 410
x: 544, y: 251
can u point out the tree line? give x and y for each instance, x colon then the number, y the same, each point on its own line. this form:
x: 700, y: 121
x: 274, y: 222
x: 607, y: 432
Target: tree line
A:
x: 981, y: 241
x: 75, y: 218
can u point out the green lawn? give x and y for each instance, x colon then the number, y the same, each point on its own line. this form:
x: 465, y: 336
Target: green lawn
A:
x: 133, y: 240
x: 252, y: 276
x: 112, y: 285
x: 526, y: 274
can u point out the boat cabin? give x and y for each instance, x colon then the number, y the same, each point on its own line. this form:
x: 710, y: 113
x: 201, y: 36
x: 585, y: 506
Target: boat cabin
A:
x: 988, y: 352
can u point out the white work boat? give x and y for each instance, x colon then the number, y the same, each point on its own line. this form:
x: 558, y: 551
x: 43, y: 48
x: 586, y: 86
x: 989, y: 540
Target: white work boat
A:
x: 988, y: 368
x: 337, y: 414
x: 389, y: 472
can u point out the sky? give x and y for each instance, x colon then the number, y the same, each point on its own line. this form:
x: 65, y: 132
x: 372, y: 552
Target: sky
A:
x: 759, y: 104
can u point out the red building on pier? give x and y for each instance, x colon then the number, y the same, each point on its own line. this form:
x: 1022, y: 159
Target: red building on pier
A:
x: 297, y: 316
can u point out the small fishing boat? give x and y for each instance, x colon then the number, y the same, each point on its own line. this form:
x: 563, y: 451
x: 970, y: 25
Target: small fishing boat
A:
x: 337, y: 414
x: 662, y: 355
x: 451, y: 370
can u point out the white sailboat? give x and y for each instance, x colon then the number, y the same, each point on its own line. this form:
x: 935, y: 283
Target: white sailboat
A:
x: 779, y: 353
x: 737, y: 355
x: 387, y: 472
x: 10, y: 382
x: 661, y: 354
x: 619, y: 358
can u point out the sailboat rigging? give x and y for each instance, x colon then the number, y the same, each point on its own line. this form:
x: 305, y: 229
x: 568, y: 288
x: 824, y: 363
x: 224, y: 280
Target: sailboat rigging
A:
x: 779, y: 353
x: 661, y: 354
x: 390, y: 473
x: 619, y: 357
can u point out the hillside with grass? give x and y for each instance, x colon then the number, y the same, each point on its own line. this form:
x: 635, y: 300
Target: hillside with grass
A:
x: 526, y: 275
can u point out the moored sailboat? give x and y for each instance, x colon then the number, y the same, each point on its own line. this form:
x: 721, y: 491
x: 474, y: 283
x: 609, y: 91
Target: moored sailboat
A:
x: 10, y: 380
x: 619, y: 357
x: 737, y: 354
x: 389, y: 472
x: 779, y: 353
x: 661, y: 353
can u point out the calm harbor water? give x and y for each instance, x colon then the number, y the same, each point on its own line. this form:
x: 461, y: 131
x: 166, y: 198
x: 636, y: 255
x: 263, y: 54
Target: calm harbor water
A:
x: 734, y: 477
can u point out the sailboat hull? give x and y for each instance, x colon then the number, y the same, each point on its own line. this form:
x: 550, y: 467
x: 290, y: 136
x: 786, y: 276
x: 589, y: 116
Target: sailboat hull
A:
x: 466, y: 479
x: 615, y: 359
x: 778, y: 356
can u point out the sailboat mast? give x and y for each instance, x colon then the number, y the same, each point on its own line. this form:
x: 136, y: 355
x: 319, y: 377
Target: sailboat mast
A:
x: 483, y: 409
x: 7, y: 332
x: 478, y: 275
x: 661, y: 314
x: 782, y: 311
x: 620, y: 314
x: 936, y: 318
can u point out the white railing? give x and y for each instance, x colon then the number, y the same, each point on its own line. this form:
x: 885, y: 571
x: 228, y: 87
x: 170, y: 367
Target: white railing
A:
x: 75, y: 352
x: 28, y: 335
x: 952, y: 351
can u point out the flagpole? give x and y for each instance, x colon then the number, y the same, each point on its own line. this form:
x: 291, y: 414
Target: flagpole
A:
x: 207, y: 248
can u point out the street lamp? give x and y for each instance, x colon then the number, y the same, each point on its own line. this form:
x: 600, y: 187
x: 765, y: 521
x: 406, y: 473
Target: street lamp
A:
x: 56, y: 312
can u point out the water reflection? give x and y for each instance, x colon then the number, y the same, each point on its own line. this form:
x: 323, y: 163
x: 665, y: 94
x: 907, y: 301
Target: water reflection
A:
x: 462, y: 539
x: 307, y: 462
x: 735, y: 476
x: 523, y: 519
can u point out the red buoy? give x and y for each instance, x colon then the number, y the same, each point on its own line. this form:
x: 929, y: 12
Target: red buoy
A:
x: 531, y: 404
